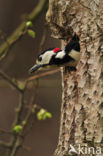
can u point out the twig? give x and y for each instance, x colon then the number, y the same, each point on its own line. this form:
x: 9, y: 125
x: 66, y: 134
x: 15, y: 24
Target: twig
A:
x: 42, y: 74
x: 33, y: 106
x: 3, y: 131
x: 10, y: 81
x: 4, y: 144
x: 20, y: 31
x: 27, y: 148
x: 18, y: 138
x: 43, y: 40
x: 19, y: 109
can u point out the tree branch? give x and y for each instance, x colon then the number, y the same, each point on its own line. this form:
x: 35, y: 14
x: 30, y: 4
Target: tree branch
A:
x: 3, y: 131
x: 18, y: 138
x: 10, y: 81
x: 4, y: 144
x: 42, y: 74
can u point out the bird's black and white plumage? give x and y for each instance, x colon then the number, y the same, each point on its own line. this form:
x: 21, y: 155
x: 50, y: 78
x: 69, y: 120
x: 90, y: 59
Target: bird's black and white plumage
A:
x: 55, y: 57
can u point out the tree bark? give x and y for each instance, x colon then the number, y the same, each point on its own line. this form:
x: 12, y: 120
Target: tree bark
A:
x: 82, y: 99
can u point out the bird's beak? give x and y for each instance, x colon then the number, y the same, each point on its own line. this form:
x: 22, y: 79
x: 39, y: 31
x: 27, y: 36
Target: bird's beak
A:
x: 34, y: 68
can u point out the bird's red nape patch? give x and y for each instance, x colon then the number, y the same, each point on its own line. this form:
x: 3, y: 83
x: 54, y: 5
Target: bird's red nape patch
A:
x: 56, y: 50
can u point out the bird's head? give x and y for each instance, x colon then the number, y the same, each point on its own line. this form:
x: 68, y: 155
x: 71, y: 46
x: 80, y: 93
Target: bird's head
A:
x: 44, y: 59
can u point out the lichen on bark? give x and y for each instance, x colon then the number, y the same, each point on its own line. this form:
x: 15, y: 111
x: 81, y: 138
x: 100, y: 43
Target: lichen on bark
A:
x: 82, y: 102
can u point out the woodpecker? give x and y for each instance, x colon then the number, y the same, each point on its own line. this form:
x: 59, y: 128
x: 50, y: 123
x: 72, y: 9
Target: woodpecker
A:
x: 55, y: 57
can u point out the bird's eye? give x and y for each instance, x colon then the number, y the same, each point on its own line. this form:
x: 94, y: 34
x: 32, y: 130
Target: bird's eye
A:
x: 39, y: 58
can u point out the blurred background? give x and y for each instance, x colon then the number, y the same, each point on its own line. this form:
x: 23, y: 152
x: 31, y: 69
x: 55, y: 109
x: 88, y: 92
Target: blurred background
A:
x: 43, y: 137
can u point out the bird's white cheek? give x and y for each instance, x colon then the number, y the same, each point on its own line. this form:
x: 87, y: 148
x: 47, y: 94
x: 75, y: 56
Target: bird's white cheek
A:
x: 60, y: 55
x: 46, y: 57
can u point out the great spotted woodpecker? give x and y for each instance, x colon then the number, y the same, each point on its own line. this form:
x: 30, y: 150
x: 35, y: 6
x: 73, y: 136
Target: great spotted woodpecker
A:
x: 55, y: 57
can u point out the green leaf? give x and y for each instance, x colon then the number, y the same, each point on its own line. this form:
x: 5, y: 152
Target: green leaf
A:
x: 29, y: 24
x: 31, y: 33
x: 17, y: 128
x: 43, y: 114
x: 48, y: 114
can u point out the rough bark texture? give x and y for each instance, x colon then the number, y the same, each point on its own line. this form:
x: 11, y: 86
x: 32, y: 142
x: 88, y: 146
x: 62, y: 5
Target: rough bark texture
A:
x: 82, y: 105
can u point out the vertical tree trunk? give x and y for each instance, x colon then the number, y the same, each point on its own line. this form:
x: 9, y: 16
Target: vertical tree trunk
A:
x: 82, y: 102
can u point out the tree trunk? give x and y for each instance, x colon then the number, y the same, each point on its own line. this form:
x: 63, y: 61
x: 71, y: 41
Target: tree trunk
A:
x: 82, y: 100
